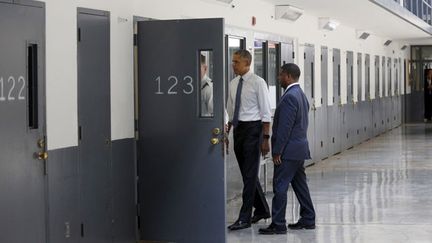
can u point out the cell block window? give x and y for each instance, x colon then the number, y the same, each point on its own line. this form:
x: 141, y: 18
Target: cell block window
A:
x: 206, y: 83
x: 426, y: 53
x: 32, y: 72
x: 389, y: 80
x: 259, y: 58
x: 234, y: 44
x: 272, y: 72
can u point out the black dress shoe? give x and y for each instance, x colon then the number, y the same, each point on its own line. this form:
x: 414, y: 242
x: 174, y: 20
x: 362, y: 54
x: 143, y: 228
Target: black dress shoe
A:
x: 273, y: 230
x: 298, y: 226
x: 257, y: 218
x: 238, y: 225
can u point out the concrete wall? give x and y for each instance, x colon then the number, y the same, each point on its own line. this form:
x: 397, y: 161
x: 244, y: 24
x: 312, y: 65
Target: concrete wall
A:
x: 61, y: 49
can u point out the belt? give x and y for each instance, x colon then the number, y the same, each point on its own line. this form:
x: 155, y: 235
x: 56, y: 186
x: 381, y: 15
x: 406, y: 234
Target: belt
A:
x: 248, y: 122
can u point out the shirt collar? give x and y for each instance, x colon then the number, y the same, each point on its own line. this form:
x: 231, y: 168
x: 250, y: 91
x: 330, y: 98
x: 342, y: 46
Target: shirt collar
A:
x: 205, y: 80
x: 247, y: 75
x: 291, y: 85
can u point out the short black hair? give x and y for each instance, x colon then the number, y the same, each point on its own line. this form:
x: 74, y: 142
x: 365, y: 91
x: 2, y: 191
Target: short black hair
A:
x: 244, y: 54
x: 291, y: 69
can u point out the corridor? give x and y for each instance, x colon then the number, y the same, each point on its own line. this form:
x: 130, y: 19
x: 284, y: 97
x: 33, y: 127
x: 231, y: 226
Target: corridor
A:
x: 379, y: 191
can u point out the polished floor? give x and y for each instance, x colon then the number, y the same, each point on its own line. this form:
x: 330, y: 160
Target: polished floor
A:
x: 380, y: 191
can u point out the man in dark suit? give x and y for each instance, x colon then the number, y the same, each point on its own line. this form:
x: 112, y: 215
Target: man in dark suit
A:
x: 289, y: 150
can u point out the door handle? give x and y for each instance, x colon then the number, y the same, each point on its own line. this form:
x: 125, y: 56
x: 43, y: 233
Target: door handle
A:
x: 42, y: 155
x: 216, y: 131
x: 41, y: 143
x: 214, y: 141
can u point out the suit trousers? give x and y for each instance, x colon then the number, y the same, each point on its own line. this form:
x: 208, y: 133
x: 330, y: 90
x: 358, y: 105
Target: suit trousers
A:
x: 247, y: 142
x: 291, y: 171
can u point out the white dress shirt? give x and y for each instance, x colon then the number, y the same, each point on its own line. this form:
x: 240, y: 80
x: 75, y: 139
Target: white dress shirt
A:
x: 254, y: 99
x: 206, y: 96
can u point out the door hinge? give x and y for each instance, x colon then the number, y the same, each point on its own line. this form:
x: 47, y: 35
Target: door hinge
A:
x: 79, y: 35
x: 136, y: 129
x: 82, y: 230
x: 138, y: 216
x: 333, y: 58
x: 305, y: 55
x: 293, y: 55
x: 321, y: 57
x: 79, y: 133
x: 135, y: 39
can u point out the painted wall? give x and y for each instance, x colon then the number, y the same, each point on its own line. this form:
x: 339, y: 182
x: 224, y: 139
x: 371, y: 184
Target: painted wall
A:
x: 61, y: 48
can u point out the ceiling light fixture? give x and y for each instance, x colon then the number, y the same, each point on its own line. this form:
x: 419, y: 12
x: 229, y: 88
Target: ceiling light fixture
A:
x: 287, y: 12
x: 328, y: 24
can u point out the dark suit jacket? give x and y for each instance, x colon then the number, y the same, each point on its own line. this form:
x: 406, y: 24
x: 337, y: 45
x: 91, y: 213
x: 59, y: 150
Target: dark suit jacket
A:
x: 290, y: 125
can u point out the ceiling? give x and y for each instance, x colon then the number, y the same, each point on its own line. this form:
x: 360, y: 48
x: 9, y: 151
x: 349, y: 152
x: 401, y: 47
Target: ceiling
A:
x: 361, y: 15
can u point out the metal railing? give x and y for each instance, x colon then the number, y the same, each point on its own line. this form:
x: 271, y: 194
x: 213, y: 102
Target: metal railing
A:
x: 420, y: 8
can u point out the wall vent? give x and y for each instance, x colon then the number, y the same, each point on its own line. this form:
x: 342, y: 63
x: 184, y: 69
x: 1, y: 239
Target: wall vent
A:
x: 363, y: 35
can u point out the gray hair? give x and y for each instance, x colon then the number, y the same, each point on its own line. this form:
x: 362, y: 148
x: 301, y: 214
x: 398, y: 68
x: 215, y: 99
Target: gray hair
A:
x: 244, y: 54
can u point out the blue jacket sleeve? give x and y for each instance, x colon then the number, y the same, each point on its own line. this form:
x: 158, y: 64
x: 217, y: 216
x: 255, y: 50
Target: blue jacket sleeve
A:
x: 287, y: 117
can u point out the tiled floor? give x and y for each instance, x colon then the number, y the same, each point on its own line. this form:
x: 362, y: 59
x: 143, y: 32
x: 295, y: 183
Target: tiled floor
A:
x: 379, y: 191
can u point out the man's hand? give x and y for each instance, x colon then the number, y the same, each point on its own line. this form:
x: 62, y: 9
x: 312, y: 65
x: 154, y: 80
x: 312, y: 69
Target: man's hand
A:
x: 265, y: 147
x: 277, y: 159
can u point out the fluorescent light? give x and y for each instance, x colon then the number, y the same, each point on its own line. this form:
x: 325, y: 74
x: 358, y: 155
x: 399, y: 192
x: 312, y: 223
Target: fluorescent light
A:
x: 328, y: 24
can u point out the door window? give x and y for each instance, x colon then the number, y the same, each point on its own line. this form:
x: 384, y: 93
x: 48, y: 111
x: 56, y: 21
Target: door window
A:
x: 206, y: 83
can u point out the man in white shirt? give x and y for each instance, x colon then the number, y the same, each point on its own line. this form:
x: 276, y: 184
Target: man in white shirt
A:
x: 206, y: 90
x: 249, y: 113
